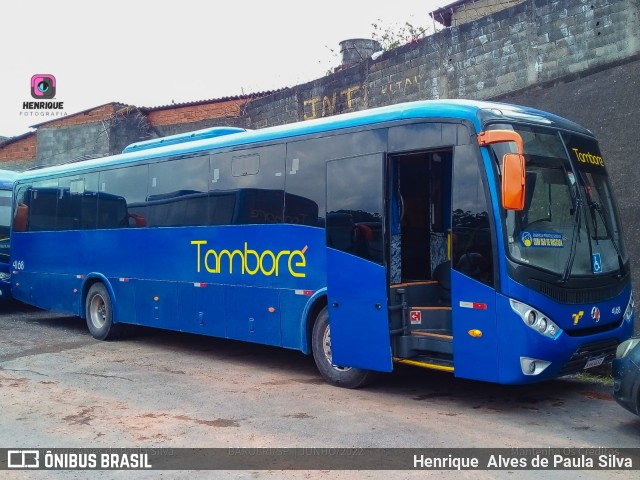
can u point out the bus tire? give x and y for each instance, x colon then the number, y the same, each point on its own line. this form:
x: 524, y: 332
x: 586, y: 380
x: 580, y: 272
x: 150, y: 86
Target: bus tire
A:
x: 99, y: 314
x: 346, y: 377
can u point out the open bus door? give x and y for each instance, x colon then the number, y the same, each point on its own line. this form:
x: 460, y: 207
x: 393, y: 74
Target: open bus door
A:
x: 356, y: 276
x: 473, y: 274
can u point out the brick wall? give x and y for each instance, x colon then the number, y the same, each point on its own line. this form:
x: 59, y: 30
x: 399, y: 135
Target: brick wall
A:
x: 16, y: 154
x: 179, y: 119
x: 97, y: 114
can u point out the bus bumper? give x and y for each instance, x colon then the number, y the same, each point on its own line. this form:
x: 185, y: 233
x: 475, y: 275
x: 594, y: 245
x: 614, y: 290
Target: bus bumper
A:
x: 525, y: 356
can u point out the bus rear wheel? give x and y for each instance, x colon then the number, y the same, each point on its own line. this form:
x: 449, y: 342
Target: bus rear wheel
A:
x: 99, y: 313
x: 347, y: 377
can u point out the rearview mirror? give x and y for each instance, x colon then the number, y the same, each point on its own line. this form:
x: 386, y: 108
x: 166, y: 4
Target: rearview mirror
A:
x: 513, y: 171
x: 513, y: 167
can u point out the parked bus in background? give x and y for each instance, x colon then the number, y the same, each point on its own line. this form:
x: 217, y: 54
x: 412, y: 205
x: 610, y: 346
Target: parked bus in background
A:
x: 6, y: 188
x: 476, y: 238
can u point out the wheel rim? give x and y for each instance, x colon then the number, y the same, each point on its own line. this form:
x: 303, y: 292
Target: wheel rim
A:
x: 98, y: 311
x: 326, y: 349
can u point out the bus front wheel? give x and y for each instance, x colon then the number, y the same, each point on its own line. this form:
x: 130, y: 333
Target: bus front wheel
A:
x: 346, y: 377
x: 99, y: 313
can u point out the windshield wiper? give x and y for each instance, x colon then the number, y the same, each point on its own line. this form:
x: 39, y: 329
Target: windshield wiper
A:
x: 574, y: 240
x: 595, y: 206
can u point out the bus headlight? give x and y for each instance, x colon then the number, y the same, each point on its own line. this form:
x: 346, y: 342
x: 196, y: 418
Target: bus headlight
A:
x: 628, y: 313
x: 533, y: 366
x: 542, y: 325
x: 536, y: 320
x: 530, y: 318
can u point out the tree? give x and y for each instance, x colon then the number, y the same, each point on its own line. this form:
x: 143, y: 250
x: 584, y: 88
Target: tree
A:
x: 395, y: 36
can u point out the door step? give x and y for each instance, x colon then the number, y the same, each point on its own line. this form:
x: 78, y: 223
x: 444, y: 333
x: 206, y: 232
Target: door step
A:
x: 417, y: 306
x: 434, y: 342
x: 428, y: 292
x: 441, y: 334
x: 430, y: 318
x: 433, y: 363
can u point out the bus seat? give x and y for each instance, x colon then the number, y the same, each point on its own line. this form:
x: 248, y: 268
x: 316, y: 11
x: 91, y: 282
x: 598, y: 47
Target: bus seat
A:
x: 20, y: 220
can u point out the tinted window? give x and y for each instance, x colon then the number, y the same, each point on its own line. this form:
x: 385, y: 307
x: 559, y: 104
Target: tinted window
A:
x: 5, y: 222
x: 306, y: 164
x: 472, y: 251
x: 178, y: 192
x: 242, y: 165
x: 122, y: 196
x: 247, y: 186
x: 355, y: 205
x: 426, y: 135
x: 77, y: 202
x: 42, y: 200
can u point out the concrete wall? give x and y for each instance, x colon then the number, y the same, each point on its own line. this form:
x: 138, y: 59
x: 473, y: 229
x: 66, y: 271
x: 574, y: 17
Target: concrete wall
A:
x: 528, y: 45
x: 84, y: 134
x: 65, y: 143
x: 477, y: 9
x: 607, y: 103
x: 576, y: 58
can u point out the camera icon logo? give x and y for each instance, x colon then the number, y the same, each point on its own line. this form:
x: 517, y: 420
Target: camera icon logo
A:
x: 43, y: 86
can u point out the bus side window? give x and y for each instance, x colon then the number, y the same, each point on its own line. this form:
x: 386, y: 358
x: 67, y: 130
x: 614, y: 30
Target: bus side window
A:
x: 355, y: 206
x: 247, y: 186
x: 122, y: 193
x: 471, y: 242
x: 177, y: 193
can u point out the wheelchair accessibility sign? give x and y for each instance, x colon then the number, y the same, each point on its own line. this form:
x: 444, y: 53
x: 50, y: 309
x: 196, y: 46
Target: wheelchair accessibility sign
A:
x: 596, y: 263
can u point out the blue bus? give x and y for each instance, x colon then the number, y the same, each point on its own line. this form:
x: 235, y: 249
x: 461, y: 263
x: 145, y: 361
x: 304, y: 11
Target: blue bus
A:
x: 476, y: 238
x: 6, y: 192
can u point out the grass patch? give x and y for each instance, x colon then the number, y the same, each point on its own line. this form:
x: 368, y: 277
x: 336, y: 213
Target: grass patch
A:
x: 598, y: 378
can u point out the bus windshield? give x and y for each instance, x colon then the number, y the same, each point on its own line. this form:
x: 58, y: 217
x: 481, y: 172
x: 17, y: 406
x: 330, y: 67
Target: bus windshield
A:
x: 569, y: 225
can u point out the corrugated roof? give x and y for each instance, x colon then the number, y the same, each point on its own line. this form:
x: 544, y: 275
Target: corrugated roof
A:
x: 444, y: 14
x: 146, y: 110
x: 115, y: 104
x: 6, y: 141
x: 212, y: 100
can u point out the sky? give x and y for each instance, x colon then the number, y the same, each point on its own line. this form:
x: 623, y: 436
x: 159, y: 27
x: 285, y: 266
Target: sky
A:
x: 153, y: 53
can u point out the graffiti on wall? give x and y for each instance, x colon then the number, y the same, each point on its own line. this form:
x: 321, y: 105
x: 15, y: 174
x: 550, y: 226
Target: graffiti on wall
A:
x: 401, y: 85
x: 339, y: 101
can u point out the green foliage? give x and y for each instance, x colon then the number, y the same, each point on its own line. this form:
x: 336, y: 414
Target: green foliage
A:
x: 391, y: 37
